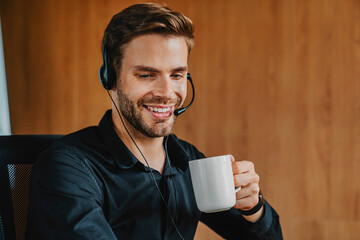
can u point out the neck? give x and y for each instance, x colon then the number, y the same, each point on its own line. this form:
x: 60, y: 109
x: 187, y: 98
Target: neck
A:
x: 151, y: 148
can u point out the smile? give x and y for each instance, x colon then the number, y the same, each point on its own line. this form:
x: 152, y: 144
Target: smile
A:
x: 160, y: 111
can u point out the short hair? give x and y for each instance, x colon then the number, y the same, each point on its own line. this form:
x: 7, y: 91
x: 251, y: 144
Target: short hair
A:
x: 141, y: 19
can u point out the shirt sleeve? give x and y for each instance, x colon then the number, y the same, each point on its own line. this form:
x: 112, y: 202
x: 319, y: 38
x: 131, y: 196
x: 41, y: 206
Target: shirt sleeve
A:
x: 65, y: 200
x: 232, y: 225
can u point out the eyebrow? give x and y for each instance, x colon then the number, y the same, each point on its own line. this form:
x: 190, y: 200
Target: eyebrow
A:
x: 180, y: 69
x: 154, y: 70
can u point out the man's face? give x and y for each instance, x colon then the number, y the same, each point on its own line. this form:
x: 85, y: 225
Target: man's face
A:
x: 152, y: 82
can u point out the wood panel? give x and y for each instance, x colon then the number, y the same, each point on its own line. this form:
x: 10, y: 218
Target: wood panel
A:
x: 276, y: 83
x: 327, y: 120
x: 326, y: 229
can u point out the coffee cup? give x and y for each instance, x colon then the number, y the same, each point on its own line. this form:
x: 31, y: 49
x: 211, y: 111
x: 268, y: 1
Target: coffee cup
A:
x: 213, y: 183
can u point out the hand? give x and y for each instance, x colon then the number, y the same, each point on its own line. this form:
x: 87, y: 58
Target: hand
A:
x: 248, y: 196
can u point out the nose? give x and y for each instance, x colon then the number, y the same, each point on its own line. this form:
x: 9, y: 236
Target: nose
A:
x: 164, y: 87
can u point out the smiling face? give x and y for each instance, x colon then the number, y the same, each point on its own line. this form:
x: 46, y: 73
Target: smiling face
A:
x: 152, y: 83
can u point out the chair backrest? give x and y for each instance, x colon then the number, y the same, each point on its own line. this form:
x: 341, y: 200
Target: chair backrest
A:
x: 17, y: 156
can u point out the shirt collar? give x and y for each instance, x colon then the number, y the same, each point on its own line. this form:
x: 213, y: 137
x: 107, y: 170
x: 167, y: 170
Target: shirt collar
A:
x: 124, y: 157
x: 177, y: 155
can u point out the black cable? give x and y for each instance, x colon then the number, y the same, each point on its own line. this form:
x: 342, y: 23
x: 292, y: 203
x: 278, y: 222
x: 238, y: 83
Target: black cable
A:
x: 172, y: 180
x: 148, y: 165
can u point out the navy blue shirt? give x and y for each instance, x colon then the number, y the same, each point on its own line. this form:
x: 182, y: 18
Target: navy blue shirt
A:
x: 88, y: 185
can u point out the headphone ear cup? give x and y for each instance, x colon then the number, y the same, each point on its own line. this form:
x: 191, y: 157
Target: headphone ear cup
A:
x: 107, y: 75
x: 111, y: 77
x: 103, y: 76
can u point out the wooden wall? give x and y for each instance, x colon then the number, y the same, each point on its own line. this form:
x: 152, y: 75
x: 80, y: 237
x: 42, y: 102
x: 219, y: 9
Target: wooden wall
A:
x: 277, y: 82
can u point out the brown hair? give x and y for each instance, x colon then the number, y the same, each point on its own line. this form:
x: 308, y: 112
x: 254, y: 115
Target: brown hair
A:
x: 140, y: 19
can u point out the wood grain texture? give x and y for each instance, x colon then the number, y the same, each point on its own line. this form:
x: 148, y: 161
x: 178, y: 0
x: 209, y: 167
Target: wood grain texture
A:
x: 276, y: 83
x: 327, y: 119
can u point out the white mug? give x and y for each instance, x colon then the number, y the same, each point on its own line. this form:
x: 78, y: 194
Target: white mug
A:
x: 213, y: 183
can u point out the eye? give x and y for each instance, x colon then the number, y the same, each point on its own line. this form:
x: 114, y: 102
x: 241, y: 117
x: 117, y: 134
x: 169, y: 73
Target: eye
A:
x: 145, y: 76
x: 176, y: 76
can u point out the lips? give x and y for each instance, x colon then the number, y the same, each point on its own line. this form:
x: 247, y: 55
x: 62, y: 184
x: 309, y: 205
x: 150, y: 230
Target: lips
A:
x: 159, y: 111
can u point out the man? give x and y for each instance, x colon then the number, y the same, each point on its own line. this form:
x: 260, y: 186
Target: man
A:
x: 128, y: 178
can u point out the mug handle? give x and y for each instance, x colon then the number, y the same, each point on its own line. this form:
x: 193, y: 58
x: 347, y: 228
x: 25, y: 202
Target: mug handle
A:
x: 237, y: 189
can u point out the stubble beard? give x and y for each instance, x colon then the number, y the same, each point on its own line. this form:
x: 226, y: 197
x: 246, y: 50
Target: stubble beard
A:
x: 132, y: 113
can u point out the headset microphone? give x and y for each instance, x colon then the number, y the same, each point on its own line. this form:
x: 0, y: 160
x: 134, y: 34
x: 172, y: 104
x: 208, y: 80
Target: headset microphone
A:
x: 179, y: 111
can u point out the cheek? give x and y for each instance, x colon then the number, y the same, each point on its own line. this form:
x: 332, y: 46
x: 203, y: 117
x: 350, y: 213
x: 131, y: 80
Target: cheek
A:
x: 181, y: 89
x: 133, y: 91
x: 137, y: 93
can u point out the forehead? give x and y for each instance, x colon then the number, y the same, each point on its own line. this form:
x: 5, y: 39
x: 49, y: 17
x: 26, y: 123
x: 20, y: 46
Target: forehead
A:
x: 155, y: 50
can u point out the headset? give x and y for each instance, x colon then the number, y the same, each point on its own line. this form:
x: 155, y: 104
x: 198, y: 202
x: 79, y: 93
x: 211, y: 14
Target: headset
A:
x: 107, y: 76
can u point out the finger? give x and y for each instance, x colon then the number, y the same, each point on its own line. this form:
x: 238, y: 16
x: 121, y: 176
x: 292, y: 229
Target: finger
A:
x: 248, y: 191
x: 244, y: 179
x: 232, y: 158
x: 247, y: 203
x: 242, y: 167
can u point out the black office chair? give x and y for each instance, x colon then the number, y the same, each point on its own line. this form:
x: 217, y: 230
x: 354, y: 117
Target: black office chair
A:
x: 17, y: 156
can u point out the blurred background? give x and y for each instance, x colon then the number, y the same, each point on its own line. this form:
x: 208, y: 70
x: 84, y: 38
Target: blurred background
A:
x: 277, y: 82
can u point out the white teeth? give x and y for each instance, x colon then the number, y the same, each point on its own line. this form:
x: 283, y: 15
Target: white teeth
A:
x: 159, y: 110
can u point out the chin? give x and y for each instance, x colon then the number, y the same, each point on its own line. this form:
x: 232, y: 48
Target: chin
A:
x: 161, y: 131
